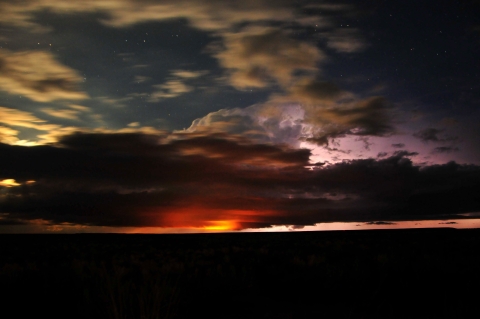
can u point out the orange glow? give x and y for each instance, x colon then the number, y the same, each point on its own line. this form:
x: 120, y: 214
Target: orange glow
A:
x: 221, y: 225
x: 9, y: 183
x: 210, y: 219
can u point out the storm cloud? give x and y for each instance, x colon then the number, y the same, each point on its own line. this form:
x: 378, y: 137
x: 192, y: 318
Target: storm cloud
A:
x: 194, y: 180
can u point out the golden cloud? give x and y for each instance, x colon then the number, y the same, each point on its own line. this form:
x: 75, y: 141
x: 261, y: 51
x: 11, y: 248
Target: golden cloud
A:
x: 8, y: 135
x: 206, y: 15
x: 79, y: 107
x: 259, y: 56
x: 169, y: 89
x: 188, y: 74
x: 64, y: 114
x: 51, y: 133
x: 13, y: 117
x: 175, y: 85
x: 254, y: 57
x: 38, y: 76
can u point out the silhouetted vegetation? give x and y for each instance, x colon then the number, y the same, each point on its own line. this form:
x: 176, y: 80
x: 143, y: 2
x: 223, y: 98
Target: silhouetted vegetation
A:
x: 354, y: 274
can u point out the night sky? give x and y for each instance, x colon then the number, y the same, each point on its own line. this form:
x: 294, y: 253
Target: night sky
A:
x: 189, y: 115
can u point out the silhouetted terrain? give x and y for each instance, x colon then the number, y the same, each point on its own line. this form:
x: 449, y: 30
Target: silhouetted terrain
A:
x: 351, y: 274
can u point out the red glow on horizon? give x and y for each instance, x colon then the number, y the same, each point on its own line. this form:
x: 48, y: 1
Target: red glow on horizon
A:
x: 210, y: 219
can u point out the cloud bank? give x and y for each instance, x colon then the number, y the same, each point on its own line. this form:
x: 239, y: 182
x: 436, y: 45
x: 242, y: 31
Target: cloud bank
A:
x: 194, y: 180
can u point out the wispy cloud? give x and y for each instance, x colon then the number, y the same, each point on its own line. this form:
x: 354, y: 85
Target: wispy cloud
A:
x: 62, y: 113
x: 176, y: 85
x: 345, y: 40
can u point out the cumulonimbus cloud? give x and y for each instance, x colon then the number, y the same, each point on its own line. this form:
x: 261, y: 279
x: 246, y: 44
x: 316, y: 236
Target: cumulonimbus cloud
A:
x: 315, y: 112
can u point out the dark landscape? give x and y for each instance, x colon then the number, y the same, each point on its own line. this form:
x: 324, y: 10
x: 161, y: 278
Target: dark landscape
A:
x: 422, y: 273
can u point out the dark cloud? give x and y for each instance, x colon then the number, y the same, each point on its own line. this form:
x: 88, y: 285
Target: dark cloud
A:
x: 445, y: 149
x: 380, y: 223
x: 311, y: 91
x: 428, y: 135
x: 12, y: 222
x: 366, y: 142
x: 431, y: 135
x: 382, y: 154
x: 119, y: 179
x: 398, y: 145
x: 368, y: 117
x: 195, y: 180
x: 403, y: 153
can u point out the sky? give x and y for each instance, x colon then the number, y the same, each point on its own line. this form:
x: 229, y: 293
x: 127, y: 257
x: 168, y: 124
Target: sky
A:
x: 219, y: 115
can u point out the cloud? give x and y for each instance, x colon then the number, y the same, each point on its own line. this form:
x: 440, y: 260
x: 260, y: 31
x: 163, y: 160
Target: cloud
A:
x: 398, y: 145
x: 20, y: 119
x: 432, y: 135
x: 428, y: 135
x: 445, y: 149
x: 8, y: 135
x: 141, y: 79
x: 65, y: 113
x: 404, y: 153
x: 173, y: 179
x: 367, y: 117
x: 80, y: 108
x: 346, y: 40
x: 38, y: 76
x: 11, y: 119
x: 366, y: 142
x: 261, y: 56
x: 284, y: 119
x: 314, y: 92
x: 186, y: 74
x: 175, y: 86
x: 380, y: 223
x: 169, y: 89
x: 205, y: 15
x: 262, y: 123
x: 195, y: 179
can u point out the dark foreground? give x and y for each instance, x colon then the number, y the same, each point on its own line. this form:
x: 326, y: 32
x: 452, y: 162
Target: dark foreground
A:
x: 355, y: 274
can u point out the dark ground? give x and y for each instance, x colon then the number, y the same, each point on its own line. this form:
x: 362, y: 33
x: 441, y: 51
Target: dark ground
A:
x: 343, y: 274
